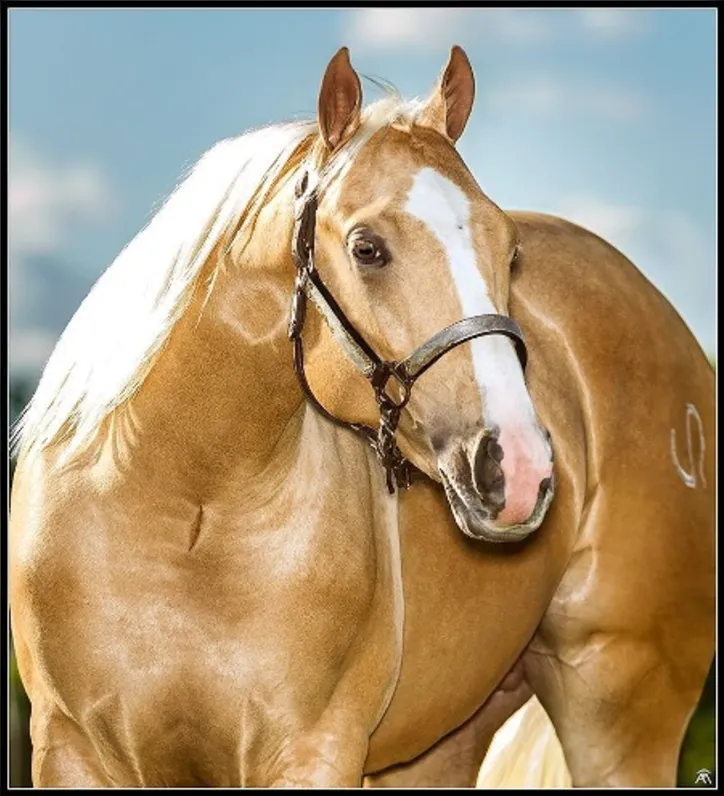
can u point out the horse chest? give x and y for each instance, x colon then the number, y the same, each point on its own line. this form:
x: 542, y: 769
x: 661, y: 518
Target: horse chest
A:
x: 187, y: 638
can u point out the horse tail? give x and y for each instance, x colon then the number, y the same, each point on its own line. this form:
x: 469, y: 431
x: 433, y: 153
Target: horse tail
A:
x: 525, y: 753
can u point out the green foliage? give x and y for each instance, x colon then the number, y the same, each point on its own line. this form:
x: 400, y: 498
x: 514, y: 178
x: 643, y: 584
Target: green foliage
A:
x: 20, y: 393
x: 19, y: 729
x: 699, y: 748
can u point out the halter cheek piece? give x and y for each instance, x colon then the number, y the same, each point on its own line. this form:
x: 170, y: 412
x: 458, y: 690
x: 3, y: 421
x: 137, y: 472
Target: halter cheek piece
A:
x: 378, y: 372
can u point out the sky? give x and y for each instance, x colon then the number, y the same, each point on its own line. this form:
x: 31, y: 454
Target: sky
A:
x: 606, y: 117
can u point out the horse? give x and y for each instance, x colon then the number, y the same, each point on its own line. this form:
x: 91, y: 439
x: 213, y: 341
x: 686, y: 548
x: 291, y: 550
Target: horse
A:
x: 260, y: 546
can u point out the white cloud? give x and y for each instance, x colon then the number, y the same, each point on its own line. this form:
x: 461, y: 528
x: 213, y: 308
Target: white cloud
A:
x: 46, y: 201
x: 424, y: 29
x: 510, y: 25
x: 610, y: 23
x: 430, y: 28
x: 549, y: 95
x: 47, y: 205
x: 380, y: 28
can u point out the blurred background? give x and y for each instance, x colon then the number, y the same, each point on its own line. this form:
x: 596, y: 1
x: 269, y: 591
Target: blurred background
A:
x: 606, y: 117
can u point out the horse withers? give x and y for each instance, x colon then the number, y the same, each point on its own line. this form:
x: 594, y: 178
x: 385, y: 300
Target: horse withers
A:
x: 210, y: 582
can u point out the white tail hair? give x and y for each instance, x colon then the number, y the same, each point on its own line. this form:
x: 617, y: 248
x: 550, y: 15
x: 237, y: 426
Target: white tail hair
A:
x: 525, y: 753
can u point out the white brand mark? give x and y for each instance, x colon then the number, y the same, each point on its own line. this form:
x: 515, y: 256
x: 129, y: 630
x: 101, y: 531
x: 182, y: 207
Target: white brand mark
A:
x: 690, y: 477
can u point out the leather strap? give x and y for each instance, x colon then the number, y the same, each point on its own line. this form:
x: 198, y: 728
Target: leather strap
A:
x: 461, y: 332
x: 378, y: 372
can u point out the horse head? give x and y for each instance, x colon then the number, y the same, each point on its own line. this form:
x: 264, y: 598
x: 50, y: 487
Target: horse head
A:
x: 408, y: 244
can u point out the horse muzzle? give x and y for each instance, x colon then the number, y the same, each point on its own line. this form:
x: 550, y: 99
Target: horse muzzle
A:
x: 500, y: 486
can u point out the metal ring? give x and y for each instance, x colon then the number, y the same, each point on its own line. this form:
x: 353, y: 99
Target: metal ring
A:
x: 380, y: 385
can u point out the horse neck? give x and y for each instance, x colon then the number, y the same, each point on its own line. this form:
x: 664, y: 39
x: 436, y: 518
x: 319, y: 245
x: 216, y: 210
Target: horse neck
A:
x: 224, y: 389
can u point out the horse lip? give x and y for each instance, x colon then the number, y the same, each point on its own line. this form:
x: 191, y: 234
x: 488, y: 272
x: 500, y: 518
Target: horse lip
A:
x: 474, y: 520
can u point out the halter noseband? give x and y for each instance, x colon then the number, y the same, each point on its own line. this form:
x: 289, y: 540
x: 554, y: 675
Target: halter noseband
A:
x: 378, y: 372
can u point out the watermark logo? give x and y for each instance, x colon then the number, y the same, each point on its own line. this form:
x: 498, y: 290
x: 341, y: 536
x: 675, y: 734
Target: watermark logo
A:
x: 703, y: 777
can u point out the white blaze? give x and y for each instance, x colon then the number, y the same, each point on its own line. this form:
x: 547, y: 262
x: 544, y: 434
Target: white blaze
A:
x: 445, y: 210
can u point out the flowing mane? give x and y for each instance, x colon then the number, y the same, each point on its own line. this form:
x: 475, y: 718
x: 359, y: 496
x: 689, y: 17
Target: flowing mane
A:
x: 116, y: 335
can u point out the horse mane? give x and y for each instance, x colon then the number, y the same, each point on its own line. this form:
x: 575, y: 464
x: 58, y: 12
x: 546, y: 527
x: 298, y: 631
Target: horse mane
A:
x: 115, y: 337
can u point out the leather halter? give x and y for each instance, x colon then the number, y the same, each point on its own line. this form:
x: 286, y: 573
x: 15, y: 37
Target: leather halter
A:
x: 377, y: 371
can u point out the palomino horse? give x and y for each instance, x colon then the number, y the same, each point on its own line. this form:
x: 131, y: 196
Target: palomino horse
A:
x: 210, y: 583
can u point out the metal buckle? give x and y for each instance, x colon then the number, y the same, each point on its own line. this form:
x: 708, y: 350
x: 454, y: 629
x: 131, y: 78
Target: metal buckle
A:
x: 379, y: 381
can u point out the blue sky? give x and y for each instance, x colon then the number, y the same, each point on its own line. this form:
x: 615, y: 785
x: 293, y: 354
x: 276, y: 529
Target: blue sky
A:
x: 604, y: 116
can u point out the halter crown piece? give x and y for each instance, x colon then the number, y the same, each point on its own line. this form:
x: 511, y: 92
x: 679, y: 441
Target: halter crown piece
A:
x: 309, y: 285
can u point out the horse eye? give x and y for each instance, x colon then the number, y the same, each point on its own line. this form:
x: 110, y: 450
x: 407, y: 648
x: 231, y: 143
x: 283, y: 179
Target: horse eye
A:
x: 364, y: 250
x: 369, y: 251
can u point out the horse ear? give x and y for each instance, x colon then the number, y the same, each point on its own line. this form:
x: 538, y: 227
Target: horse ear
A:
x: 448, y: 109
x: 340, y: 101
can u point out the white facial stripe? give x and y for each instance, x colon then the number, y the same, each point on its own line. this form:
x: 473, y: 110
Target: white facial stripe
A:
x: 445, y: 210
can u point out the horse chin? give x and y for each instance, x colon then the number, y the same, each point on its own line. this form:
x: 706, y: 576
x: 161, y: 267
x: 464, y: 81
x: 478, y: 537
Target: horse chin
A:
x: 476, y: 520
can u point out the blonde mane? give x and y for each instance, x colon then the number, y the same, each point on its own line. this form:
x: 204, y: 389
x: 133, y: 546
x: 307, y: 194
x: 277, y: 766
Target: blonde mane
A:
x: 119, y: 330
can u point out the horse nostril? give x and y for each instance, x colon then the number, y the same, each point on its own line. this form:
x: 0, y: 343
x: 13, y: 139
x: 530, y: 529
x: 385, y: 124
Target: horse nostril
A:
x: 495, y: 451
x: 487, y: 472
